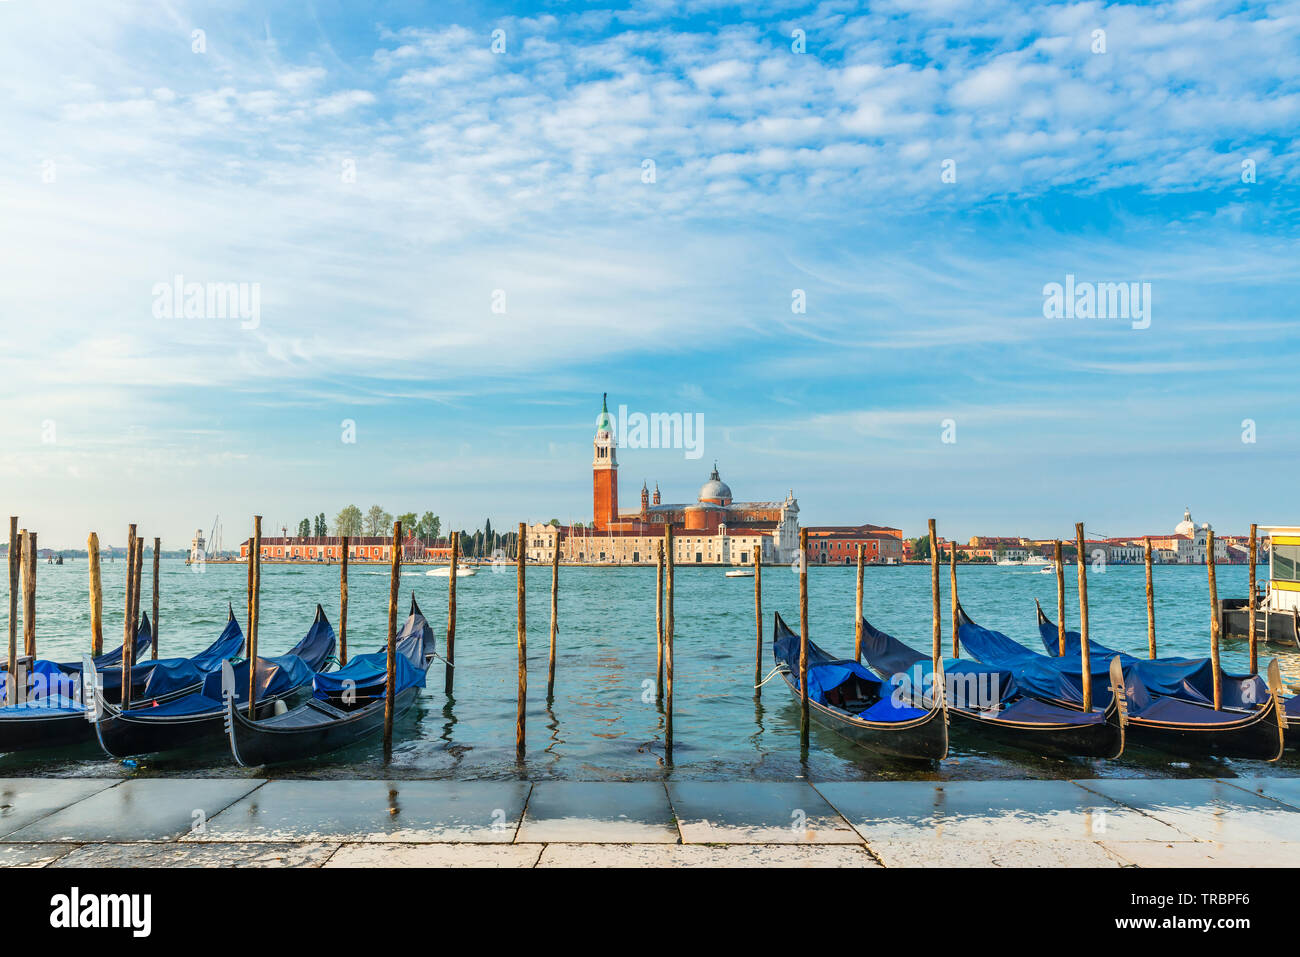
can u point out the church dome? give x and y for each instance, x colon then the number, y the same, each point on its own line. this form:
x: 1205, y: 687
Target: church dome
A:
x: 1186, y: 526
x: 715, y: 490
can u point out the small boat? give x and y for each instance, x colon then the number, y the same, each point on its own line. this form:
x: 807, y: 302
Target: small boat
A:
x: 346, y: 706
x: 740, y: 573
x: 444, y: 571
x: 197, y: 717
x: 1157, y: 721
x: 1048, y: 569
x: 985, y: 705
x: 849, y: 700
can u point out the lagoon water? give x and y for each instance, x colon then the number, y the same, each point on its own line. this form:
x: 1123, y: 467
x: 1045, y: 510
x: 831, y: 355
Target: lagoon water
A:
x: 603, y: 723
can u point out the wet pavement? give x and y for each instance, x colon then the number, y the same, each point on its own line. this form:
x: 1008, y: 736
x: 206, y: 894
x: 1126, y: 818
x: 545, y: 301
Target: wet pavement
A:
x: 205, y: 822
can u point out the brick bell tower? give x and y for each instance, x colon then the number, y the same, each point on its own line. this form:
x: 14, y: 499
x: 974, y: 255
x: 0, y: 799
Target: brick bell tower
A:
x: 604, y: 469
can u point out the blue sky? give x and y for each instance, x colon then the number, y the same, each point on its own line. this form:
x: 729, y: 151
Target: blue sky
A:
x: 130, y: 158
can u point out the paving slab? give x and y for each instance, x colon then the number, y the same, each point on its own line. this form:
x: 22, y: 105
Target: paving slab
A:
x: 24, y: 800
x: 623, y: 812
x: 1205, y: 809
x: 436, y: 855
x: 704, y: 855
x: 32, y: 855
x: 952, y: 853
x: 364, y: 811
x: 1204, y: 854
x: 173, y: 854
x: 988, y: 811
x: 140, y: 809
x: 1285, y: 790
x: 756, y: 812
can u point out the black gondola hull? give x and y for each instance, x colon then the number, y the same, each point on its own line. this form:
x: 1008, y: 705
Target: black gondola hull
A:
x: 257, y: 744
x: 126, y: 734
x: 1105, y: 739
x: 1256, y: 735
x: 28, y: 733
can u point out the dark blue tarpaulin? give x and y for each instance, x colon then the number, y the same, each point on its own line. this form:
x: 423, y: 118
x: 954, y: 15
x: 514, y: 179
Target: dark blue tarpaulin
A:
x: 1190, y: 679
x: 826, y: 674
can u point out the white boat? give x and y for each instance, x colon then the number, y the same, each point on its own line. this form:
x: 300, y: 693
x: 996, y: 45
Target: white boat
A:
x: 1048, y: 569
x: 1007, y: 561
x: 444, y: 571
x: 1038, y: 560
x: 741, y: 573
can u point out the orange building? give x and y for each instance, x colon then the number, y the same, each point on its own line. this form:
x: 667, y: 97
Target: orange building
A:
x: 838, y: 544
x: 329, y: 548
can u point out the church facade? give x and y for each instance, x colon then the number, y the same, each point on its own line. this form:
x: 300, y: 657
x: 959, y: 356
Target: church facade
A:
x: 711, y: 530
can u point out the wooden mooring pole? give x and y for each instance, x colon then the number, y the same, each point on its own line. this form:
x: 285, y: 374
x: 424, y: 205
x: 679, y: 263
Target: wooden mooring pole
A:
x: 15, y: 557
x: 29, y: 595
x: 1060, y: 599
x: 449, y: 682
x: 936, y: 637
x: 343, y: 604
x: 153, y: 622
x: 1250, y: 605
x: 254, y: 612
x: 128, y: 636
x: 1214, y: 621
x: 390, y: 683
x: 521, y: 640
x: 669, y: 562
x: 857, y: 606
x: 803, y: 640
x: 96, y: 597
x: 758, y: 619
x: 555, y: 617
x: 1084, y: 651
x: 952, y: 597
x: 659, y: 622
x: 1151, y: 601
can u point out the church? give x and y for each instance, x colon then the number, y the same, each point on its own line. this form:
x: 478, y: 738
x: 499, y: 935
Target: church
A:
x: 711, y: 530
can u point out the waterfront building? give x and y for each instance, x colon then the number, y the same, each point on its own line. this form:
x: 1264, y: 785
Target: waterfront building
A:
x: 838, y: 544
x: 329, y: 548
x: 714, y: 529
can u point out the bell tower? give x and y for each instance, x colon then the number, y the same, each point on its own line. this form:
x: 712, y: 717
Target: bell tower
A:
x: 604, y: 469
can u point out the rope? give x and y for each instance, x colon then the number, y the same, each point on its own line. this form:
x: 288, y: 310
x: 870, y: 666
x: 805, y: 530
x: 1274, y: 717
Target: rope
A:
x: 779, y: 669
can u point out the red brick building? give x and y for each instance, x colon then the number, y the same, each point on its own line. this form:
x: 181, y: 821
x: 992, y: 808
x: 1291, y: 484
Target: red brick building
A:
x: 838, y: 544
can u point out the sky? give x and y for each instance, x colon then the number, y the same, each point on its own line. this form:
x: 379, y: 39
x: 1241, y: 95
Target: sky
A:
x: 827, y: 231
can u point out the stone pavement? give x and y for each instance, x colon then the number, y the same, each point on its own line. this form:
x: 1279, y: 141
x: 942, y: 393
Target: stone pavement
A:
x: 205, y: 822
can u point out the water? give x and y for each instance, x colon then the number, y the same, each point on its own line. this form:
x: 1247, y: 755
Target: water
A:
x: 604, y: 723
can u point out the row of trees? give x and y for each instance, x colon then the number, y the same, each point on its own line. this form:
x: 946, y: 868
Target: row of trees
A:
x: 376, y: 521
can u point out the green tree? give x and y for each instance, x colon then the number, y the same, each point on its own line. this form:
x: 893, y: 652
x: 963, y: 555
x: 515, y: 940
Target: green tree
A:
x: 322, y: 527
x: 921, y: 548
x: 348, y: 521
x: 555, y: 522
x: 377, y: 520
x: 304, y: 528
x: 429, y: 526
x: 408, y: 521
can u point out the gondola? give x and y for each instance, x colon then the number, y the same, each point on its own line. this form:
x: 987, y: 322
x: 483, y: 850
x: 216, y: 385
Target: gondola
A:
x: 1190, y: 679
x: 846, y: 698
x: 1157, y: 721
x: 985, y: 705
x: 198, y: 717
x: 56, y: 715
x: 346, y: 706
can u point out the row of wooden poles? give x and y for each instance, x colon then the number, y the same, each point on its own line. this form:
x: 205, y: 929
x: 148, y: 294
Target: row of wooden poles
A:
x: 22, y: 556
x: 22, y: 564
